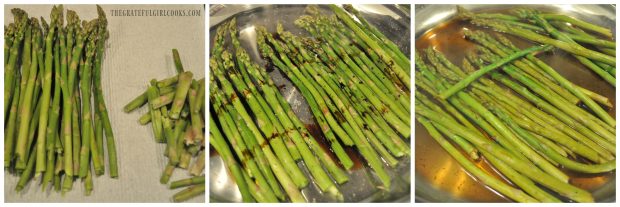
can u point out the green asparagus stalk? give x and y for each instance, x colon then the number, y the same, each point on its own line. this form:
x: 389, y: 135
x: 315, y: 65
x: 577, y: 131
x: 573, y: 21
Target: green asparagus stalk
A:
x: 66, y: 117
x: 606, y: 76
x: 152, y: 94
x: 180, y: 94
x: 277, y: 167
x: 535, y: 174
x: 145, y: 119
x: 530, y: 69
x: 401, y: 72
x: 350, y: 113
x: 76, y: 135
x: 608, y: 166
x: 217, y: 140
x: 189, y: 193
x: 237, y: 143
x: 545, y: 130
x: 47, y: 90
x: 21, y: 19
x: 362, y: 59
x: 99, y: 98
x: 10, y: 129
x: 466, y: 81
x: 347, y: 64
x: 511, y: 137
x: 578, y: 32
x: 143, y: 99
x: 86, y: 116
x: 162, y: 100
x: 526, y: 184
x: 575, y: 49
x: 267, y: 127
x: 195, y: 116
x: 199, y: 164
x: 187, y: 182
x: 26, y: 62
x: 270, y: 91
x: 279, y: 128
x: 168, y: 82
x: 572, y: 110
x: 464, y: 144
x: 26, y: 114
x: 471, y: 167
x: 362, y: 144
x: 28, y: 171
x: 462, y: 106
x: 585, y: 25
x: 177, y: 61
x: 380, y: 36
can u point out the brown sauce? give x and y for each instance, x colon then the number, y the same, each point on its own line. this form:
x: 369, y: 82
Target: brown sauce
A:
x: 439, y: 168
x: 316, y: 132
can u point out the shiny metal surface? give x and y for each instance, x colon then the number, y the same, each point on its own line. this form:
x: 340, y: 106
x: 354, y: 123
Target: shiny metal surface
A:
x: 394, y: 21
x: 439, y: 178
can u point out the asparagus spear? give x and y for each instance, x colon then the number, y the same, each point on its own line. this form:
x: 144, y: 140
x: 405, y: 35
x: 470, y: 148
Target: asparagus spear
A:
x: 535, y: 174
x: 180, y: 94
x: 362, y: 59
x: 606, y: 76
x: 177, y: 61
x: 99, y: 98
x: 585, y: 25
x: 86, y: 116
x: 347, y: 64
x: 267, y: 127
x: 11, y: 128
x: 465, y: 109
x: 47, y: 90
x: 503, y: 130
x: 238, y: 145
x: 548, y: 131
x: 341, y: 102
x: 380, y: 36
x: 578, y: 32
x: 311, y: 161
x: 155, y: 114
x: 491, y: 181
x: 608, y: 166
x: 569, y: 109
x: 575, y: 49
x: 466, y: 81
x: 54, y: 114
x: 194, y: 181
x: 275, y: 164
x: 365, y: 149
x: 25, y: 112
x: 21, y: 19
x: 189, y: 193
x: 401, y: 72
x: 525, y: 183
x: 530, y: 69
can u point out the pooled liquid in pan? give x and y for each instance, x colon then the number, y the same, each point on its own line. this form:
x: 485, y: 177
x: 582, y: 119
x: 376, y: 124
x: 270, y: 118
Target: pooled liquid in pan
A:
x: 438, y: 168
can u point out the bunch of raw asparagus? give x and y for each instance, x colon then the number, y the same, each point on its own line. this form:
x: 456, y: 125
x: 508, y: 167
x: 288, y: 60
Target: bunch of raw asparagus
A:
x: 355, y: 81
x: 530, y: 138
x: 52, y: 73
x: 591, y: 44
x: 176, y: 114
